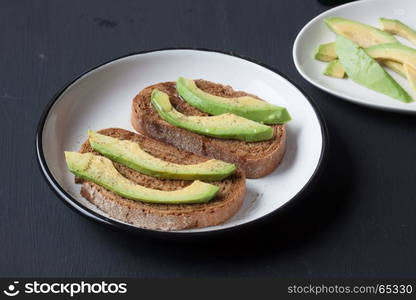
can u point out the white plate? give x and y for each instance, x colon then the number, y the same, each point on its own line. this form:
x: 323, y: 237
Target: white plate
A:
x: 102, y: 97
x: 316, y: 32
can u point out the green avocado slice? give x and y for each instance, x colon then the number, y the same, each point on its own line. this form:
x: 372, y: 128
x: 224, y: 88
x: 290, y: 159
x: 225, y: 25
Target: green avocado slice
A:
x: 364, y: 70
x: 398, y: 28
x: 225, y: 126
x: 246, y: 106
x: 132, y: 155
x: 335, y: 69
x: 331, y: 53
x: 410, y: 75
x: 395, y: 66
x: 325, y: 52
x: 101, y: 171
x: 362, y: 34
x: 394, y: 51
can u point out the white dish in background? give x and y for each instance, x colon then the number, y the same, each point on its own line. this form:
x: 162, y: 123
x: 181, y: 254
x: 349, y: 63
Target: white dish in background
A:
x: 316, y: 32
x: 102, y: 97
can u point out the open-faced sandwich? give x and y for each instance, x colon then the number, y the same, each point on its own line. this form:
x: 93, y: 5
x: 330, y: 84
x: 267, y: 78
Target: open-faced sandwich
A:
x: 150, y: 184
x: 213, y: 120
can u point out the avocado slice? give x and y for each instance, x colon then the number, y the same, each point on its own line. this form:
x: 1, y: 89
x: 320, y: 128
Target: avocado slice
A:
x: 362, y: 34
x: 335, y: 69
x: 364, y: 70
x: 410, y: 75
x: 101, y: 171
x: 225, y: 126
x: 246, y: 106
x: 130, y: 154
x: 325, y: 52
x: 395, y: 66
x: 398, y: 28
x: 331, y: 53
x: 394, y: 51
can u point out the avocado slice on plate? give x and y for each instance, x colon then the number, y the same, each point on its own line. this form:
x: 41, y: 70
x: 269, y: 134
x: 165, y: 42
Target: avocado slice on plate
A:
x: 325, y: 52
x: 395, y: 66
x: 398, y: 28
x: 335, y: 69
x: 362, y: 34
x: 364, y: 70
x: 330, y: 52
x: 101, y: 171
x: 410, y: 75
x: 405, y: 58
x: 394, y: 51
x: 246, y: 106
x: 132, y: 155
x: 226, y: 126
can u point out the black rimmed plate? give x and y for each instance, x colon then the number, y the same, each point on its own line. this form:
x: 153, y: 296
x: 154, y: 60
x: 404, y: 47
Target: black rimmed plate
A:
x: 101, y: 98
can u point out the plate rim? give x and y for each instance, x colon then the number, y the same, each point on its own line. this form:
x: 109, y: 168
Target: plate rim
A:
x: 350, y: 99
x: 113, y: 223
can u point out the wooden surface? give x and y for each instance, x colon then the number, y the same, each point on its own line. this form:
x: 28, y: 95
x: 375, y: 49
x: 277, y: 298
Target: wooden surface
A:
x: 358, y: 221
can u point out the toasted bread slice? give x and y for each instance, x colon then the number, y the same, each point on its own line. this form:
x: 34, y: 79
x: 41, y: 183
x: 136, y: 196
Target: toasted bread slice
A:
x: 255, y: 159
x: 164, y: 216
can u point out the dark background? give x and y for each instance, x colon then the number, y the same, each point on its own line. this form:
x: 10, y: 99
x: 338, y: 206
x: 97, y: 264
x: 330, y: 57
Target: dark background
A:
x: 358, y: 221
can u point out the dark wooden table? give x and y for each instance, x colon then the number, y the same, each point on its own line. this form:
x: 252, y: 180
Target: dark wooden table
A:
x: 358, y: 221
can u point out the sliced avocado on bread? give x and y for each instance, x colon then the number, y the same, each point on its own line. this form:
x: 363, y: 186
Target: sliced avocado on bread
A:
x: 256, y: 159
x: 225, y: 126
x: 243, y: 106
x: 100, y: 170
x: 208, y: 204
x: 398, y: 28
x: 132, y: 155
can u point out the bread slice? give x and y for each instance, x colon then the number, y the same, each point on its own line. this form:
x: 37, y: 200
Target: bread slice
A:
x: 255, y: 159
x: 164, y: 216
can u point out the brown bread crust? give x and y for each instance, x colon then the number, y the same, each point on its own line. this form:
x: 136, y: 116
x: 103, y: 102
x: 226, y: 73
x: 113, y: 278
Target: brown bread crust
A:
x: 164, y: 216
x: 255, y: 159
